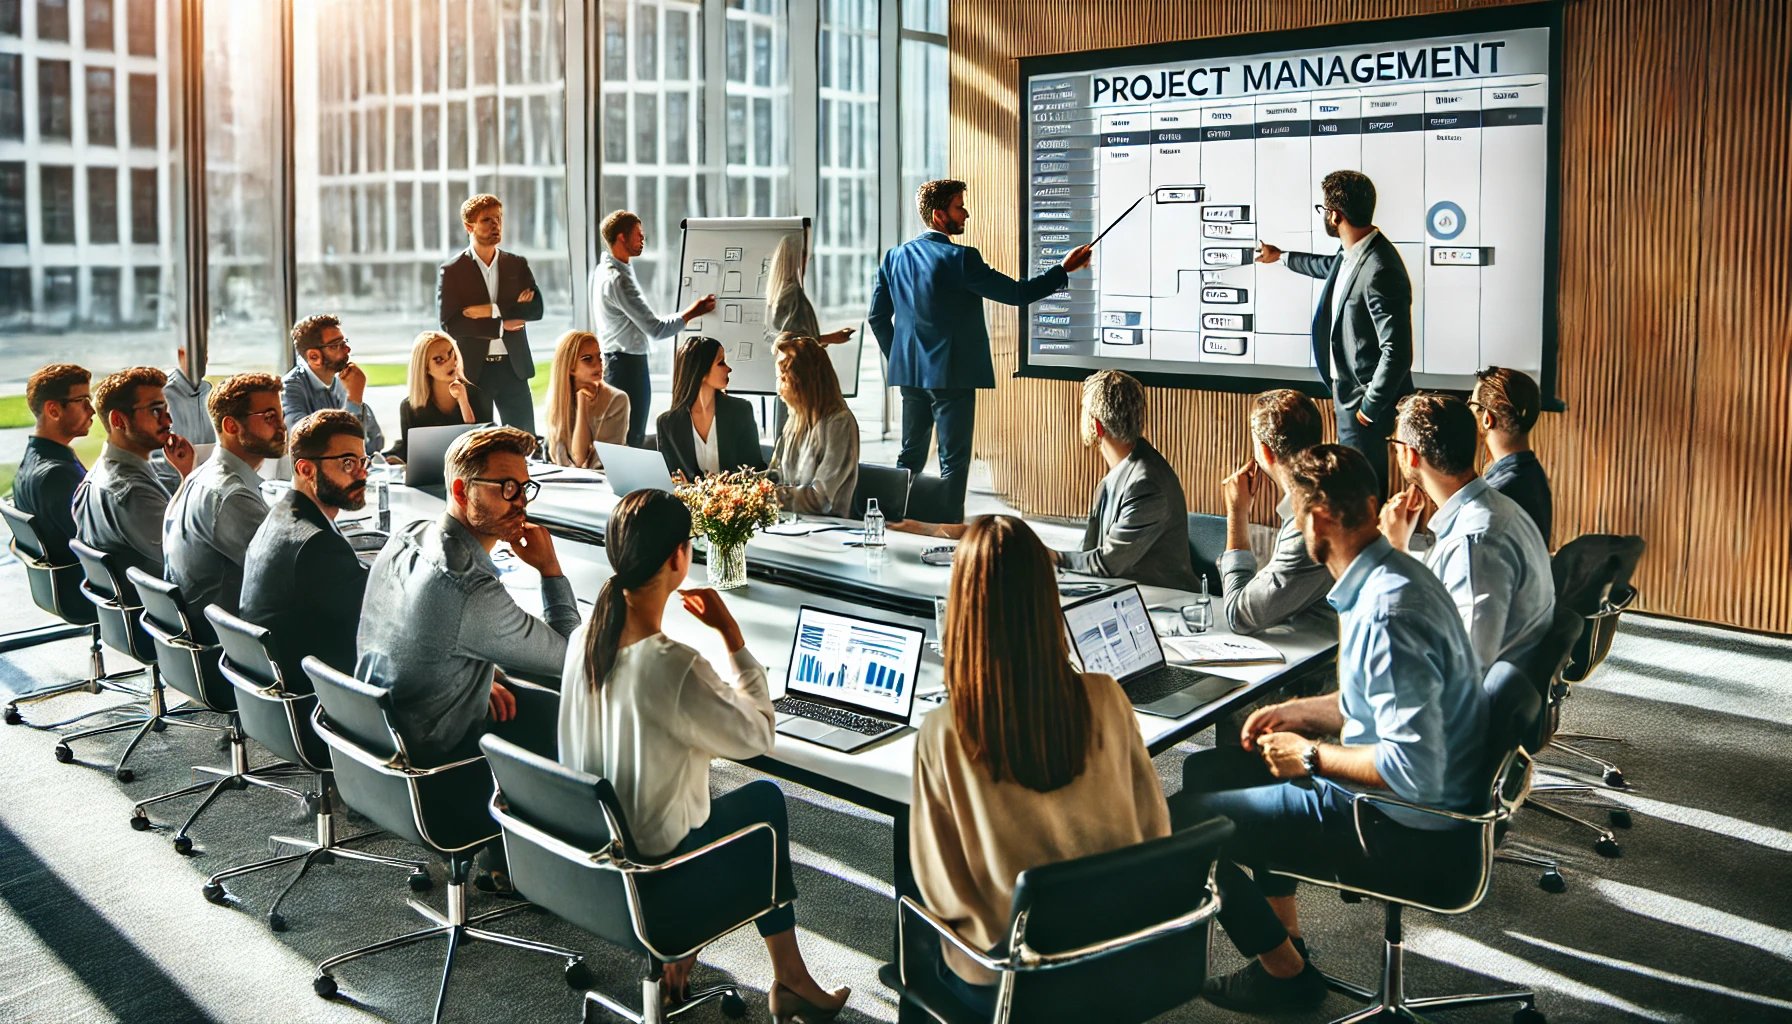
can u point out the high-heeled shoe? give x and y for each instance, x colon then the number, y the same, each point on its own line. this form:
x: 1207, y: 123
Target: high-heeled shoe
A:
x: 786, y: 1006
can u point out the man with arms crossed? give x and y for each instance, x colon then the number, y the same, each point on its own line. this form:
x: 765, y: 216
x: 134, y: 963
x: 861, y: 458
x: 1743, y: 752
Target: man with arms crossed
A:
x: 214, y: 516
x: 1284, y: 423
x: 626, y: 323
x: 1362, y: 330
x: 120, y: 505
x: 1411, y: 718
x: 50, y: 472
x: 437, y: 624
x: 1483, y: 547
x: 927, y: 314
x: 486, y: 299
x: 324, y: 378
x: 301, y: 579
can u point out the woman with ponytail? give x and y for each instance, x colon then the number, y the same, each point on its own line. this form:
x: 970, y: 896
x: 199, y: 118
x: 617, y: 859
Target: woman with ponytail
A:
x: 649, y: 713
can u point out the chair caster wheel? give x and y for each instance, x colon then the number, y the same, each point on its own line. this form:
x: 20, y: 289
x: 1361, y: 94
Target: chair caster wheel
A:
x: 1608, y: 847
x: 1614, y: 778
x: 214, y: 893
x: 1529, y: 1015
x: 420, y: 881
x: 13, y: 717
x: 276, y: 921
x: 64, y: 754
x: 183, y: 845
x: 314, y: 804
x: 158, y: 726
x: 324, y: 985
x: 139, y: 821
x: 125, y: 775
x: 1552, y: 881
x: 1620, y: 817
x: 578, y: 976
x: 733, y: 1006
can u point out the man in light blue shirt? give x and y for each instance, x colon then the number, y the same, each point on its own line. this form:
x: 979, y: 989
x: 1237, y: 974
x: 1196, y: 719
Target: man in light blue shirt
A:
x: 325, y: 379
x: 1412, y: 720
x: 626, y: 323
x: 1483, y: 545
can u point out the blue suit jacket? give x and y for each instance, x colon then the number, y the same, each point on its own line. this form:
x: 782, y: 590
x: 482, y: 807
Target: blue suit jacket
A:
x: 927, y: 311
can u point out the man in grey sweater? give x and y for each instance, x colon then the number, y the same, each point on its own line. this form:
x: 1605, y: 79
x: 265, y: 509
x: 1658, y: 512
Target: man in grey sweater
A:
x: 438, y: 627
x: 1138, y: 522
x: 1284, y: 423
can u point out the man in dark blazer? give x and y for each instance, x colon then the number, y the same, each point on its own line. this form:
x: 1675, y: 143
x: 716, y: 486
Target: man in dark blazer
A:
x: 927, y: 314
x: 1362, y: 330
x: 486, y: 298
x: 301, y: 579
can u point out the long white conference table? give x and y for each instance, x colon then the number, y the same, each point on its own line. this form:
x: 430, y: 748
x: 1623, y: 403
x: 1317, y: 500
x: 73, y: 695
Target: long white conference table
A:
x: 787, y: 572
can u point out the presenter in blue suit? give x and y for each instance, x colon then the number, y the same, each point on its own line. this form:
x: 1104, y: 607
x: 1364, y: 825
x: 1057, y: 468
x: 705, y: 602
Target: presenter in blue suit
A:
x: 927, y: 314
x: 1362, y: 330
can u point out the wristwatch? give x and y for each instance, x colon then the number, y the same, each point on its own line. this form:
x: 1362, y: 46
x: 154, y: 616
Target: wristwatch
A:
x: 1309, y: 759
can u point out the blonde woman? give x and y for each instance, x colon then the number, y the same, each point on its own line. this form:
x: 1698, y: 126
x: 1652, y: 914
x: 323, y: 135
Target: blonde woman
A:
x: 787, y: 307
x: 439, y: 396
x: 582, y: 409
x: 816, y: 462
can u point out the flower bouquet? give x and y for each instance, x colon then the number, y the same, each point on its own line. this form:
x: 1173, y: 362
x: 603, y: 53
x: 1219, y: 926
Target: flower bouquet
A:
x: 727, y: 509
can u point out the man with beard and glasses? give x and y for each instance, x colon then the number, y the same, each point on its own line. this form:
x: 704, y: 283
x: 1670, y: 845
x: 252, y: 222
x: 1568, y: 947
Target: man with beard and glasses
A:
x: 1410, y: 719
x: 120, y: 505
x: 1362, y: 330
x: 50, y: 472
x: 206, y: 533
x: 325, y: 379
x: 438, y: 628
x: 301, y: 579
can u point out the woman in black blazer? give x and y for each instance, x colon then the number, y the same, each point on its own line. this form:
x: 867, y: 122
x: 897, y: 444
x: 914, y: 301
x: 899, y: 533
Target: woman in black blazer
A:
x: 707, y: 430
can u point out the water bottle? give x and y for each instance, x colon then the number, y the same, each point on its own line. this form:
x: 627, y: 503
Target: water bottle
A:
x: 382, y: 499
x: 1198, y: 617
x: 874, y: 524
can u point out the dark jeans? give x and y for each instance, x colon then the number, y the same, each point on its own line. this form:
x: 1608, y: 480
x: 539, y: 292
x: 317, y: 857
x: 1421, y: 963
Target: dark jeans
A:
x: 1371, y: 440
x: 755, y: 802
x: 629, y: 373
x: 509, y: 394
x: 1303, y: 825
x: 954, y: 412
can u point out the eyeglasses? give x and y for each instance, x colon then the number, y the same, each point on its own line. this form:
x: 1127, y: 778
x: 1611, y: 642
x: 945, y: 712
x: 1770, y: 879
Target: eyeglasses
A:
x: 509, y: 489
x: 158, y: 409
x: 338, y: 343
x: 1321, y: 209
x: 347, y: 463
x: 267, y: 416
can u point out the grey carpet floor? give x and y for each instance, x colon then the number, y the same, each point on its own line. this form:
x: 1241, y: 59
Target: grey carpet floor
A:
x: 1692, y: 923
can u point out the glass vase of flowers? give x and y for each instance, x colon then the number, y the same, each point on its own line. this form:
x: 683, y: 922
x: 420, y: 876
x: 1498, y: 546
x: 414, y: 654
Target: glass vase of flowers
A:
x: 726, y: 510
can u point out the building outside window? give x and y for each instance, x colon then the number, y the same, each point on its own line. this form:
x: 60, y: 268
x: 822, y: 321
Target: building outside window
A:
x: 926, y: 115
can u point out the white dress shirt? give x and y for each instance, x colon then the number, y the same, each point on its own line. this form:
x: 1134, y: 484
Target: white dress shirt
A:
x: 625, y: 323
x: 709, y: 450
x: 654, y: 725
x: 489, y: 271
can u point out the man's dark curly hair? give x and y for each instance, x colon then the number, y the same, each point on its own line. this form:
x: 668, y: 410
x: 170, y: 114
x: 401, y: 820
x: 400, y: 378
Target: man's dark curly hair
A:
x: 1441, y: 428
x: 936, y: 195
x: 1352, y: 194
x: 308, y: 333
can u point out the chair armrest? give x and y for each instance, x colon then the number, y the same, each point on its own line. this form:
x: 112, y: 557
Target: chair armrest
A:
x: 910, y: 906
x: 394, y: 767
x: 1028, y: 959
x: 511, y: 823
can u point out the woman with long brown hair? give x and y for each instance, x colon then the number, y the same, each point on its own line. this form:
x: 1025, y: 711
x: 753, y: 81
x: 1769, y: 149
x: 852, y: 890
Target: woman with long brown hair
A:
x: 1030, y: 762
x: 816, y: 463
x: 649, y: 713
x: 707, y: 430
x: 583, y: 409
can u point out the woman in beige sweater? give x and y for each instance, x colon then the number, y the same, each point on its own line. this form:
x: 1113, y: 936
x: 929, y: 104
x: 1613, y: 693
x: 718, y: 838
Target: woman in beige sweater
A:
x: 583, y: 410
x: 1030, y: 762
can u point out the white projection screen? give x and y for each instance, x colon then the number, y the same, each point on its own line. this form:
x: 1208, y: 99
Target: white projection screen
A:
x: 1454, y: 117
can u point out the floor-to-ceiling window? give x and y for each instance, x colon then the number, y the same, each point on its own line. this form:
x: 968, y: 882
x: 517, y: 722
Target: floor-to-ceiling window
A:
x: 242, y: 147
x: 926, y: 116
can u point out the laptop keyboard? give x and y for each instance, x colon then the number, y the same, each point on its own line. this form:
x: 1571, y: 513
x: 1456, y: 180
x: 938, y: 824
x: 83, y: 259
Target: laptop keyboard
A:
x: 1160, y: 683
x: 864, y: 725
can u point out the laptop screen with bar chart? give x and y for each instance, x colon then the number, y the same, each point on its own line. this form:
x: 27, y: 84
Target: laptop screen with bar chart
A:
x: 858, y: 663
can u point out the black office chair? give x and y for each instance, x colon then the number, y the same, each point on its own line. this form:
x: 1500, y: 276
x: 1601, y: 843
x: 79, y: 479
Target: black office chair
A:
x: 190, y: 666
x: 765, y: 451
x: 1118, y: 937
x: 444, y: 809
x: 279, y: 718
x: 888, y: 484
x: 1206, y: 543
x: 55, y: 577
x: 926, y: 499
x: 1514, y: 729
x: 120, y: 613
x: 570, y: 852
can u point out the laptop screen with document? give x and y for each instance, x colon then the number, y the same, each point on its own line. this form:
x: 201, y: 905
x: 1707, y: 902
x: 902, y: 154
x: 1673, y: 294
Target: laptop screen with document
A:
x: 858, y: 663
x: 1112, y: 634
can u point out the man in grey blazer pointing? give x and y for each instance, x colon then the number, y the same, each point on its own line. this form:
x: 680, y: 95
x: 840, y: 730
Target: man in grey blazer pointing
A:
x: 1362, y: 330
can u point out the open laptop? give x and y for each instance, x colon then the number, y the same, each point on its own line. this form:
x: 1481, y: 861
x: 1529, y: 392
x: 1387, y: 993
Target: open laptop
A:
x: 851, y: 681
x: 426, y: 452
x: 633, y: 469
x: 1112, y: 634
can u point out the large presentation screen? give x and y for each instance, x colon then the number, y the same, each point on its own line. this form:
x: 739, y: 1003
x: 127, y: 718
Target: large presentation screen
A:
x: 1222, y: 145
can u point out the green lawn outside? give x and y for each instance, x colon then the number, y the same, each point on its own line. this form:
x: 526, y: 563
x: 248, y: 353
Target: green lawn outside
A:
x: 14, y: 413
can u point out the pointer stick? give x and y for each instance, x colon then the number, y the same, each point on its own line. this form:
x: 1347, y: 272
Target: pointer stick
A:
x: 1117, y: 220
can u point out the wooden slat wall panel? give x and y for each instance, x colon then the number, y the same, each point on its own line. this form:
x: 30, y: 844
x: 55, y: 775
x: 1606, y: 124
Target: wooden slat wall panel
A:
x: 1676, y: 361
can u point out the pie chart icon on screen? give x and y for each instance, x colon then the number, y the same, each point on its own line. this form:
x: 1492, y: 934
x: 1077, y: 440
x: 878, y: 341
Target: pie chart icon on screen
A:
x: 1445, y: 220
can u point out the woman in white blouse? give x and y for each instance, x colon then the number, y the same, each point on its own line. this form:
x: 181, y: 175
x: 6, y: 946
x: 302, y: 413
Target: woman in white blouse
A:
x: 582, y: 409
x: 649, y: 713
